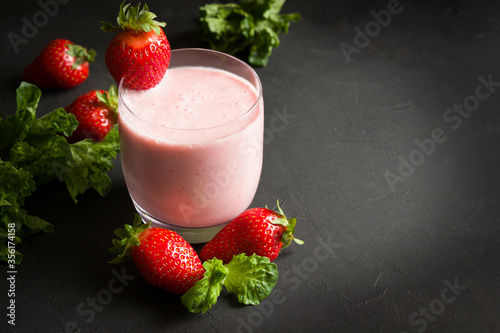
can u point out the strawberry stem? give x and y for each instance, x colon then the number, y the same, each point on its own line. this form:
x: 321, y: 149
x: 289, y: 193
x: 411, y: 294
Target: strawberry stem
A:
x: 132, y: 18
x: 109, y: 98
x: 289, y: 225
x: 128, y: 238
x: 81, y: 54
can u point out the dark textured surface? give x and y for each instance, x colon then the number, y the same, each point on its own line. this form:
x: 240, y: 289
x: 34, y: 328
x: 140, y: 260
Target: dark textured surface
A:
x: 385, y: 241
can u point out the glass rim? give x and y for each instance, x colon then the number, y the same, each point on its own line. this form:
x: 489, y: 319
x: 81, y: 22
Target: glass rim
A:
x: 121, y: 91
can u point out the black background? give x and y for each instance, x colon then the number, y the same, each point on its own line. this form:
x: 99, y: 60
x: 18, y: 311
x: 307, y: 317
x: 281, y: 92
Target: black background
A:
x: 394, y: 238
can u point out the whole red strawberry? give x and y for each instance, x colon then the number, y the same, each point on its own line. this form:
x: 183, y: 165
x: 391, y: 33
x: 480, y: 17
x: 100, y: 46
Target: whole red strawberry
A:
x: 258, y: 231
x: 96, y: 114
x: 161, y: 256
x: 60, y: 65
x: 140, y: 53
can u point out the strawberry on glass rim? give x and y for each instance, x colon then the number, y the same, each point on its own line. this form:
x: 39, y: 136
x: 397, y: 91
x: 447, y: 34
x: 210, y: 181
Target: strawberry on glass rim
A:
x: 140, y: 53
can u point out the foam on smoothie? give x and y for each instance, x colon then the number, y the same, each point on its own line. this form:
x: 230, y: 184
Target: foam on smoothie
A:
x: 194, y: 98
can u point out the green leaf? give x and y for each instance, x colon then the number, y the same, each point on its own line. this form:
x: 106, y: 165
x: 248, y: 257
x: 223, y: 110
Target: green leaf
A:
x: 55, y: 122
x: 36, y: 223
x: 15, y: 186
x: 81, y: 54
x: 44, y: 159
x: 34, y: 151
x: 14, y: 128
x: 88, y: 163
x: 128, y: 237
x: 205, y: 292
x: 251, y: 278
x: 110, y: 98
x: 134, y: 19
x: 289, y: 224
x: 261, y: 50
x: 252, y: 26
x: 27, y: 96
x: 5, y: 255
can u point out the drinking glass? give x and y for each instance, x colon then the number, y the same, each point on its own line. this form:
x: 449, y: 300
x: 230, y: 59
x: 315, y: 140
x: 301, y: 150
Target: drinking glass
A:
x: 193, y: 179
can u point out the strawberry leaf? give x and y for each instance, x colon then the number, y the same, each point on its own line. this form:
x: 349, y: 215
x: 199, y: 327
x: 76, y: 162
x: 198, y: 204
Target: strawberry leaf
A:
x: 251, y: 278
x: 133, y: 19
x: 289, y: 224
x: 109, y: 98
x: 81, y: 54
x: 128, y: 237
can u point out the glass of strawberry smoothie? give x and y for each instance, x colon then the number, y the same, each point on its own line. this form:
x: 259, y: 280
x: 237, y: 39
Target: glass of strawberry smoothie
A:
x: 191, y: 147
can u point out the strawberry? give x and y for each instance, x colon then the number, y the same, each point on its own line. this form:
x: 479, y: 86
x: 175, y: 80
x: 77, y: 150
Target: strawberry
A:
x: 140, y: 53
x: 61, y: 65
x: 96, y: 114
x: 258, y: 231
x: 161, y: 256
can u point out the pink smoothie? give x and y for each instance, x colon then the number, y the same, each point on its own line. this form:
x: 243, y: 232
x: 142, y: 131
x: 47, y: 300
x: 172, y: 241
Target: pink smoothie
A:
x: 192, y: 146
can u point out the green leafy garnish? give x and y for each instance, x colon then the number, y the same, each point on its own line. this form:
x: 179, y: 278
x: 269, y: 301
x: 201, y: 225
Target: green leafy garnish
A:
x: 250, y: 278
x: 88, y: 163
x: 132, y: 18
x: 252, y: 26
x: 205, y: 292
x: 34, y: 151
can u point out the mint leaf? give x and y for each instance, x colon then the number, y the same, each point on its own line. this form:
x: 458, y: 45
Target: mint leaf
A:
x: 205, y: 292
x: 251, y: 27
x: 36, y: 223
x: 41, y: 158
x: 15, y: 186
x: 251, y: 278
x: 55, y: 122
x: 34, y: 151
x: 42, y: 148
x: 88, y: 163
x: 266, y: 40
x: 14, y: 128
